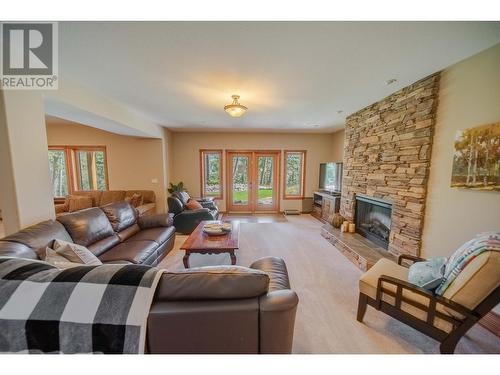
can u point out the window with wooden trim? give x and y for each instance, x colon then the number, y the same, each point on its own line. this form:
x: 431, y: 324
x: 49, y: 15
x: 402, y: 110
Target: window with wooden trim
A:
x: 211, y: 173
x: 295, y: 171
x: 75, y: 168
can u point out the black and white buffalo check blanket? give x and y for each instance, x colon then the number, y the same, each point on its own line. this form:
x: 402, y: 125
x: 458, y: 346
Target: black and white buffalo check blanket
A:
x: 85, y: 309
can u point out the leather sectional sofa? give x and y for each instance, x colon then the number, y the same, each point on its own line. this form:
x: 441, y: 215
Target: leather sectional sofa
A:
x: 221, y: 309
x: 102, y: 198
x: 113, y: 233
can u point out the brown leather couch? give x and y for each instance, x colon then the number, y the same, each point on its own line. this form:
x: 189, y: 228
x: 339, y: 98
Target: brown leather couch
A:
x: 113, y: 233
x: 223, y: 309
x: 102, y: 198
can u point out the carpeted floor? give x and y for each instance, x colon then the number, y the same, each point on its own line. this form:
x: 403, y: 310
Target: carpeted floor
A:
x: 327, y: 285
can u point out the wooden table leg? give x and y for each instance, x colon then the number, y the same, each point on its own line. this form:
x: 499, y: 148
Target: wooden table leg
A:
x: 233, y: 257
x: 185, y: 259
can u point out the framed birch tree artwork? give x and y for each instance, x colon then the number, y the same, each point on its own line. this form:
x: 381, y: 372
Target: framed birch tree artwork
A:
x: 476, y: 162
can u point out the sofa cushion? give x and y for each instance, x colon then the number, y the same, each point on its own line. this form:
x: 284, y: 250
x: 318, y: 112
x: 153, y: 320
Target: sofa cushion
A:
x: 133, y: 251
x: 121, y: 215
x: 39, y: 236
x: 219, y: 282
x: 111, y: 196
x: 135, y: 200
x: 159, y: 235
x: 94, y: 194
x: 99, y: 247
x: 87, y: 226
x: 129, y: 232
x: 146, y: 209
x: 77, y: 203
x: 148, y: 196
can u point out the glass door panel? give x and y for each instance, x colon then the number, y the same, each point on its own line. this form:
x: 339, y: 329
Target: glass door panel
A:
x: 240, y: 181
x: 241, y: 184
x: 265, y: 182
x: 253, y: 181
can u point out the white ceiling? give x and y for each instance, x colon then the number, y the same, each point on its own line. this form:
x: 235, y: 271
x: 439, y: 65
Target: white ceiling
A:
x: 291, y: 75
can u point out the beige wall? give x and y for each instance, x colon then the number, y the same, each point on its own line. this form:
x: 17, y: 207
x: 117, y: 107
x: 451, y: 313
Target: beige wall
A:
x: 133, y: 163
x: 320, y: 148
x: 469, y: 96
x: 337, y: 148
x: 24, y: 169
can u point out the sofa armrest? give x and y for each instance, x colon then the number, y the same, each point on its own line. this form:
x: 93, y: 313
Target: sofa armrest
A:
x: 277, y: 308
x: 155, y: 221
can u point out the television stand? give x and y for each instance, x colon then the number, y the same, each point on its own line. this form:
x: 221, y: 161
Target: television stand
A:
x: 325, y: 205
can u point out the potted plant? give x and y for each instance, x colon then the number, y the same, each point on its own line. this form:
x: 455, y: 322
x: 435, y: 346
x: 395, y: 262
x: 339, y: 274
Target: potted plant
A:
x: 176, y: 188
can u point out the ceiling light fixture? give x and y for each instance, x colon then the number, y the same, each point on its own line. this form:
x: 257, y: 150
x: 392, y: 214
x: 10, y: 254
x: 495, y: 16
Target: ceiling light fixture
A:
x: 235, y: 109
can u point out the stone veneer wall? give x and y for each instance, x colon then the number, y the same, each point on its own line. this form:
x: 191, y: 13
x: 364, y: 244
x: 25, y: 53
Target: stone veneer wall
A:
x: 387, y: 155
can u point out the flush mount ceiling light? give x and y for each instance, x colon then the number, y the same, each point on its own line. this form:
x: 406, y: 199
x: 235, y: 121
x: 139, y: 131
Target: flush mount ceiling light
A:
x: 235, y: 109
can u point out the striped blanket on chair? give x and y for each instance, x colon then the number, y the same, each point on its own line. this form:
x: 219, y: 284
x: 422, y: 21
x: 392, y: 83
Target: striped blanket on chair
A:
x: 85, y: 309
x: 489, y: 241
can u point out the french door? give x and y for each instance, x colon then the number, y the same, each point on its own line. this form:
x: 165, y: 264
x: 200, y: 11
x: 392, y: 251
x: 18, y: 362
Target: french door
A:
x: 253, y: 181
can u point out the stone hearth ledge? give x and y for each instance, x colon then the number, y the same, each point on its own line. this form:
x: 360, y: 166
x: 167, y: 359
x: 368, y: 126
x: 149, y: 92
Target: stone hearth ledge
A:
x: 360, y: 251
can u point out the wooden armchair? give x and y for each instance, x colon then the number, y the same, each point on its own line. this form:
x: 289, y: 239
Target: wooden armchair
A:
x: 446, y: 318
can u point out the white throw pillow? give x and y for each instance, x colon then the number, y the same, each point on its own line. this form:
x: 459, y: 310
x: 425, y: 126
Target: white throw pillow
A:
x: 76, y: 253
x: 52, y: 257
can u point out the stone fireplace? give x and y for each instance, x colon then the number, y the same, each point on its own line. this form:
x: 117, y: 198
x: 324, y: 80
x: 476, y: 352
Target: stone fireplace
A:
x: 386, y: 158
x: 373, y: 219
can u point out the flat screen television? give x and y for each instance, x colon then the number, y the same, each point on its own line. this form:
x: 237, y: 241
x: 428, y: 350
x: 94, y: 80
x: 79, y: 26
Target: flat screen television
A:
x: 330, y: 177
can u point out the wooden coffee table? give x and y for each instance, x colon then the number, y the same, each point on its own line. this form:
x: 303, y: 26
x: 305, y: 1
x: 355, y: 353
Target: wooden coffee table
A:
x: 201, y: 243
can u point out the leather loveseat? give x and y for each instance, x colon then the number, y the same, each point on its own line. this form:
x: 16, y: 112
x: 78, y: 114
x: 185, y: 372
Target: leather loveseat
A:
x: 185, y: 220
x: 113, y: 233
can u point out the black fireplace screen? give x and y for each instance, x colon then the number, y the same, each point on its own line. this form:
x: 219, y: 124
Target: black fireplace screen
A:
x: 373, y: 220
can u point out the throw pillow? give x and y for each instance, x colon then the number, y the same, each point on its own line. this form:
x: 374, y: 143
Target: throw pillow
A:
x: 75, y: 253
x: 428, y: 274
x: 193, y: 204
x: 52, y: 257
x: 77, y: 202
x: 135, y: 200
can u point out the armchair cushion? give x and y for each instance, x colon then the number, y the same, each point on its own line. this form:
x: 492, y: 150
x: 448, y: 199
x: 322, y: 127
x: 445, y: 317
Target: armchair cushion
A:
x: 476, y: 281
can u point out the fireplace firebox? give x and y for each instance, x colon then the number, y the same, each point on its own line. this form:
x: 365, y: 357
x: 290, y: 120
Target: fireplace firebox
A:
x: 373, y: 219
